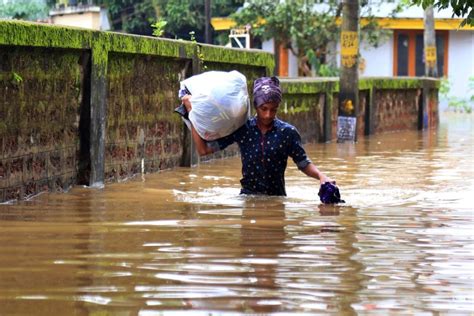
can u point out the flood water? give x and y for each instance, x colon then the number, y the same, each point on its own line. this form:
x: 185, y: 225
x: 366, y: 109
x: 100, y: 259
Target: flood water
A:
x: 183, y: 242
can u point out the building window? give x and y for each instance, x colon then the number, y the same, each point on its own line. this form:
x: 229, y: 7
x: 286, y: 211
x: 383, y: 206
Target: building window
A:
x: 409, y: 57
x: 402, y: 56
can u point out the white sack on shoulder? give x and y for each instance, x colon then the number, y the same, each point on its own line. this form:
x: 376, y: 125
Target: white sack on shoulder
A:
x: 220, y: 103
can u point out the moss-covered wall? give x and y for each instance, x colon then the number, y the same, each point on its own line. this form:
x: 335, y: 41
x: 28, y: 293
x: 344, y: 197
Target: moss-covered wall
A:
x: 396, y: 109
x: 40, y: 98
x: 81, y: 106
x: 306, y: 112
x: 385, y: 104
x: 141, y: 97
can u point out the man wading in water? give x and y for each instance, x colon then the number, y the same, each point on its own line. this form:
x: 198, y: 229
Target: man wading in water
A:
x: 265, y: 143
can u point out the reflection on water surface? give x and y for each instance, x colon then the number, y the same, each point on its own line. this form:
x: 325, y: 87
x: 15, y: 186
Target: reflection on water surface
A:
x: 184, y: 241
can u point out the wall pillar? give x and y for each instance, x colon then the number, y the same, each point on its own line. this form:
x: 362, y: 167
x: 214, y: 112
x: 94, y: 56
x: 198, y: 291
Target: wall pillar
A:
x: 369, y: 112
x: 327, y: 113
x: 98, y: 111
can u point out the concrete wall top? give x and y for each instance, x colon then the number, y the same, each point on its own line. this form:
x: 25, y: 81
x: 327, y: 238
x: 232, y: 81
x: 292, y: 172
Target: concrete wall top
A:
x: 318, y: 85
x: 20, y: 33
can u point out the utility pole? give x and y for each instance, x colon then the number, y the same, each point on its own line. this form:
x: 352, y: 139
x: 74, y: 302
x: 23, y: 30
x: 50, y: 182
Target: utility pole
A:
x: 429, y: 41
x: 207, y: 30
x: 349, y: 77
x: 431, y: 66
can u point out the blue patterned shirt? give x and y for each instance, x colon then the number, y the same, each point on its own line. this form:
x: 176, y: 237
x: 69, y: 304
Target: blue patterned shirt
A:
x: 264, y: 156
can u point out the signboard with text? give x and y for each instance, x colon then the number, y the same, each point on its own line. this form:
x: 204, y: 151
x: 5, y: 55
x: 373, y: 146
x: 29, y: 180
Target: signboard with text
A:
x: 349, y: 48
x: 346, y: 128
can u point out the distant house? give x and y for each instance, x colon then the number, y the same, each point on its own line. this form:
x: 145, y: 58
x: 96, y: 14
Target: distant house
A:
x: 84, y: 16
x: 402, y: 54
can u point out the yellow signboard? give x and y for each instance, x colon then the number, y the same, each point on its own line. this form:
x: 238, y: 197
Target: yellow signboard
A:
x: 430, y: 55
x: 349, y: 48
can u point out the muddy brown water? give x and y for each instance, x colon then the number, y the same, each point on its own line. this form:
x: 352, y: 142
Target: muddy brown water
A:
x: 183, y: 242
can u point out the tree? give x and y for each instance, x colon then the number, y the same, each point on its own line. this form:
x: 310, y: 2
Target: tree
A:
x: 185, y: 16
x: 181, y: 16
x: 461, y: 8
x: 23, y: 9
x: 306, y: 27
x: 131, y: 16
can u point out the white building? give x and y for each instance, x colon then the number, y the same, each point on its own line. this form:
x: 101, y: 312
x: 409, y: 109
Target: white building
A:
x: 402, y: 53
x: 84, y: 16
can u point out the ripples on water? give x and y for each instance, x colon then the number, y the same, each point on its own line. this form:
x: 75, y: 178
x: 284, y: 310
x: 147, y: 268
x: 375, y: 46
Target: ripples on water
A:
x: 184, y: 241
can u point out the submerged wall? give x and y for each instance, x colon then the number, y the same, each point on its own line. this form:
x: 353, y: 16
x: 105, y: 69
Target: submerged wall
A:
x: 87, y: 107
x: 385, y: 104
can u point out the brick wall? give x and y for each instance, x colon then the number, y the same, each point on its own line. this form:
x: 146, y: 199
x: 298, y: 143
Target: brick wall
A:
x: 385, y: 104
x: 141, y: 126
x: 40, y: 104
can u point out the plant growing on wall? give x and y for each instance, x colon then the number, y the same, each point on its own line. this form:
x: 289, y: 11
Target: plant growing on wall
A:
x: 16, y: 78
x: 200, y: 55
x: 159, y: 27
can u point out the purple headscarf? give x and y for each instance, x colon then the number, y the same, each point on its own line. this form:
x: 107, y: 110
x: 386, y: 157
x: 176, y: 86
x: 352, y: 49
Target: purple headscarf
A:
x: 266, y: 90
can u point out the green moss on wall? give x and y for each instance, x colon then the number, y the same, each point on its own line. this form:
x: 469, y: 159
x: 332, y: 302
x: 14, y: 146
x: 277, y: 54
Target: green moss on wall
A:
x: 238, y: 56
x: 49, y: 92
x: 298, y: 103
x: 390, y: 83
x: 308, y: 86
x: 142, y: 90
x: 20, y: 33
x: 14, y: 33
x: 317, y: 85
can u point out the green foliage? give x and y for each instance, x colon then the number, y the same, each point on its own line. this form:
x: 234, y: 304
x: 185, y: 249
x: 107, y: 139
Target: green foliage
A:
x: 295, y: 24
x: 444, y: 86
x: 16, y: 78
x: 200, y: 54
x: 182, y: 16
x: 185, y: 16
x: 321, y: 69
x: 461, y: 8
x: 131, y: 16
x: 159, y: 28
x: 23, y: 9
x: 304, y: 26
x: 328, y: 71
x: 455, y: 103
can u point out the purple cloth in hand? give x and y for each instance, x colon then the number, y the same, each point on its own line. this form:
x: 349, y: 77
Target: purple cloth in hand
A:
x: 329, y: 194
x: 266, y: 90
